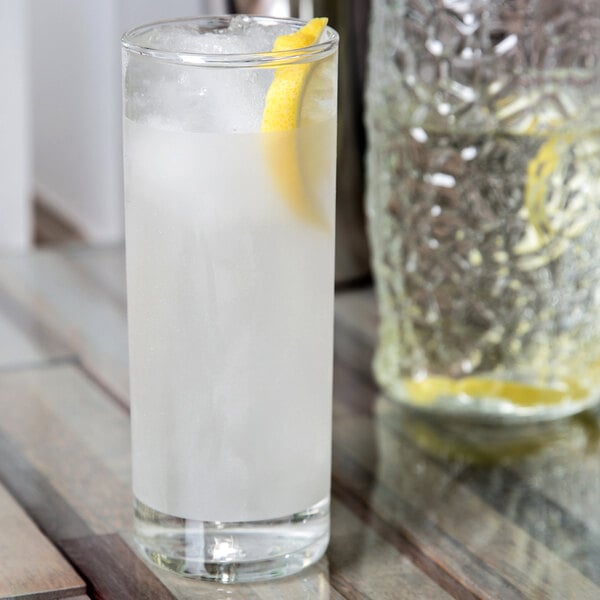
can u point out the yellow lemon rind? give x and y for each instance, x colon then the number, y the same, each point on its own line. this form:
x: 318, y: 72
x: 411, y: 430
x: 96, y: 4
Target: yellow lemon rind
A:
x: 281, y: 119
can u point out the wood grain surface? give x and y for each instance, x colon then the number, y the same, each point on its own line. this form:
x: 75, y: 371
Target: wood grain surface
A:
x: 420, y: 508
x: 30, y: 566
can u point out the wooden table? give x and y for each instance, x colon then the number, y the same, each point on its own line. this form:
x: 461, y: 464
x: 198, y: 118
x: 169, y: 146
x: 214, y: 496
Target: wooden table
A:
x: 420, y: 509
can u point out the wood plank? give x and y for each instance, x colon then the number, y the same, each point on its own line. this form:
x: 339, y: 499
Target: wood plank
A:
x: 527, y: 528
x: 402, y: 524
x: 24, y: 340
x: 542, y: 518
x: 16, y: 349
x: 567, y: 470
x: 545, y: 478
x: 90, y: 496
x: 363, y: 564
x: 51, y: 424
x: 116, y: 572
x: 77, y: 309
x: 313, y: 583
x: 37, y: 495
x: 450, y: 523
x: 64, y: 393
x: 542, y: 477
x: 546, y: 483
x: 105, y: 266
x: 30, y: 566
x: 47, y: 427
x: 404, y: 505
x: 87, y: 496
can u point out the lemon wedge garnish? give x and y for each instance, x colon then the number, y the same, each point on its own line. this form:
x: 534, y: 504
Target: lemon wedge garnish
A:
x: 284, y: 97
x: 430, y: 389
x: 282, y: 117
x: 539, y: 170
x: 542, y: 170
x: 537, y: 204
x: 559, y: 199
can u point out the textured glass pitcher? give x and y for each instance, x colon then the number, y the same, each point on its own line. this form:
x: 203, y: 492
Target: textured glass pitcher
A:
x: 484, y: 204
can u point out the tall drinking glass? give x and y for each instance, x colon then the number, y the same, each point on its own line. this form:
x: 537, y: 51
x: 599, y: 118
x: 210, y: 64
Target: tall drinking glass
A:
x: 230, y: 183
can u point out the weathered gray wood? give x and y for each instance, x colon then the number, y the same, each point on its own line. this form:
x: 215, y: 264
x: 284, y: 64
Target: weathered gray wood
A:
x: 76, y: 308
x: 75, y: 440
x: 16, y: 348
x: 106, y: 267
x: 567, y: 469
x: 23, y: 340
x: 452, y: 524
x: 113, y: 569
x: 413, y: 514
x: 357, y: 553
x: 30, y: 566
x: 545, y: 479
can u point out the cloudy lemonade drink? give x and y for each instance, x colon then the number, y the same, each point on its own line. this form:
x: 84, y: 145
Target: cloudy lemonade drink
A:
x: 230, y: 182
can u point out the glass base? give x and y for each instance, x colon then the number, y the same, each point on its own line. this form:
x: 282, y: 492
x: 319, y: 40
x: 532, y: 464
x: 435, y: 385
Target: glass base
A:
x: 233, y: 552
x: 495, y: 397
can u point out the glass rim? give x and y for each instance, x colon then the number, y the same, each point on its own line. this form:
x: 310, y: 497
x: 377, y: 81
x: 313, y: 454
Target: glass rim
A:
x: 267, y: 58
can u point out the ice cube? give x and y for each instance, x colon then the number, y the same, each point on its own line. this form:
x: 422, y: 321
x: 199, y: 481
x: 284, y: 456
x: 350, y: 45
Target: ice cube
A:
x: 196, y: 97
x: 243, y: 35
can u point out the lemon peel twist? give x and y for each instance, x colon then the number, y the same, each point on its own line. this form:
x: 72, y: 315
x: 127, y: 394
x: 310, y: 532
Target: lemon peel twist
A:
x: 281, y: 118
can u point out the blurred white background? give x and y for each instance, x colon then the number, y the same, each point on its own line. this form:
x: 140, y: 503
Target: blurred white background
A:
x: 60, y: 109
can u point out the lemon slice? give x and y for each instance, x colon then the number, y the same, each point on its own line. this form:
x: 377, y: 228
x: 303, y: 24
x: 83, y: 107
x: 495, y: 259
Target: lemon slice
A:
x: 433, y: 388
x: 284, y: 97
x: 541, y: 171
x: 515, y: 112
x: 282, y: 117
x: 558, y: 202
